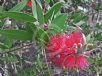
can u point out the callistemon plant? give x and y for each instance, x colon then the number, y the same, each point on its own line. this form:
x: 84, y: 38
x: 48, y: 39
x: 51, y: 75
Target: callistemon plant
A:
x: 64, y: 53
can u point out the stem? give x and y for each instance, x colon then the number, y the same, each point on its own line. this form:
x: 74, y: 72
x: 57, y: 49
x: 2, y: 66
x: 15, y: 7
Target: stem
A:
x: 46, y: 61
x: 97, y: 73
x: 44, y: 6
x: 17, y: 49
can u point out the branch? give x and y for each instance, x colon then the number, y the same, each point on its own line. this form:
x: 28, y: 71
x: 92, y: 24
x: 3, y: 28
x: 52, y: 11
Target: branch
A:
x: 94, y: 52
x: 16, y: 49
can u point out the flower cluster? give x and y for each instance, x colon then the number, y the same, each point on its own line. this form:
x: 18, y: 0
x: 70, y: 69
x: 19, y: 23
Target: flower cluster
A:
x: 29, y: 4
x: 63, y: 52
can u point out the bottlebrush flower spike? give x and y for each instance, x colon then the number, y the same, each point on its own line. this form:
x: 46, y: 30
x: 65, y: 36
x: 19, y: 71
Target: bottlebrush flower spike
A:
x: 65, y: 51
x: 81, y: 62
x: 58, y: 60
x: 70, y: 62
x: 53, y: 44
x: 75, y: 38
x: 62, y: 51
x: 56, y: 42
x: 29, y: 4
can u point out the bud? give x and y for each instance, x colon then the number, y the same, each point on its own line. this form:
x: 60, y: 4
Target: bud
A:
x: 84, y: 38
x: 90, y: 46
x: 45, y: 27
x: 79, y: 45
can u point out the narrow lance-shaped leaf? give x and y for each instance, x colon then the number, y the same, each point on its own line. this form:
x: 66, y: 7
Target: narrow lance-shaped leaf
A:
x: 42, y: 36
x: 18, y: 16
x: 39, y: 2
x: 60, y: 20
x: 3, y: 46
x: 78, y: 17
x: 34, y: 10
x: 1, y: 9
x: 40, y: 14
x: 52, y: 11
x: 58, y: 24
x: 31, y: 27
x: 8, y: 42
x: 19, y: 6
x: 17, y: 34
x: 47, y: 1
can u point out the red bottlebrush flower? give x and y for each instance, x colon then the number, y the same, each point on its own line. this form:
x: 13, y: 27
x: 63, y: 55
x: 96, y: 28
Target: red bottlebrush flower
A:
x: 81, y: 62
x: 65, y: 51
x: 56, y: 42
x: 53, y: 44
x: 58, y: 60
x: 70, y: 62
x: 58, y: 57
x: 29, y: 4
x: 69, y: 41
x: 68, y: 51
x: 75, y: 38
x: 62, y: 51
x: 60, y: 41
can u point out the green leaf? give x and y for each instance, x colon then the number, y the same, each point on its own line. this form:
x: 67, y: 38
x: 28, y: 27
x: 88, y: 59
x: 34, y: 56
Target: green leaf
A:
x: 91, y: 60
x: 39, y: 63
x: 98, y: 36
x: 19, y: 6
x: 60, y: 20
x: 16, y: 34
x: 78, y: 17
x: 54, y: 29
x: 31, y: 27
x: 18, y: 16
x: 39, y: 2
x: 40, y: 14
x: 1, y: 24
x: 52, y: 11
x: 1, y: 9
x: 47, y: 1
x: 89, y: 39
x: 3, y: 46
x: 58, y: 24
x: 34, y: 10
x: 10, y: 58
x: 8, y: 42
x: 42, y: 36
x: 78, y: 1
